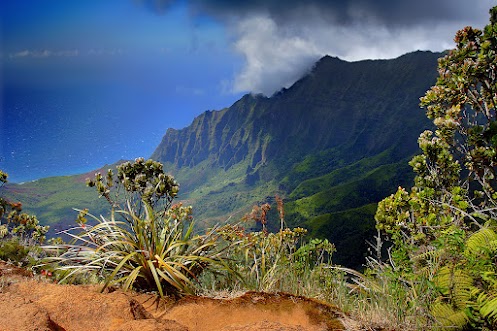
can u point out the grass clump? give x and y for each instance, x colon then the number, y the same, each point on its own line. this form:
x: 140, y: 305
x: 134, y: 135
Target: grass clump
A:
x: 281, y: 261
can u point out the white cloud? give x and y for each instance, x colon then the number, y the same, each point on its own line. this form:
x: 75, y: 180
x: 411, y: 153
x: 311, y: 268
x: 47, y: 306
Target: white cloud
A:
x: 105, y: 52
x: 274, y: 58
x: 278, y: 55
x: 74, y: 52
x: 43, y: 53
x: 225, y: 87
x: 20, y: 54
x: 281, y: 41
x: 46, y: 53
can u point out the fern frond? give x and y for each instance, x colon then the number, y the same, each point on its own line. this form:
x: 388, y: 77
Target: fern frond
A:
x: 483, y: 241
x: 447, y: 316
x: 488, y: 306
x: 428, y: 262
x: 455, y: 284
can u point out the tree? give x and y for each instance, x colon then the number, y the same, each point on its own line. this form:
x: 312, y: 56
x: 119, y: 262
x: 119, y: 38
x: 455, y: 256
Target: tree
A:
x: 143, y: 184
x: 443, y: 229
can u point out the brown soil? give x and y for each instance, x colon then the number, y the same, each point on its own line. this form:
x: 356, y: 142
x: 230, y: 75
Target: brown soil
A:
x: 27, y: 303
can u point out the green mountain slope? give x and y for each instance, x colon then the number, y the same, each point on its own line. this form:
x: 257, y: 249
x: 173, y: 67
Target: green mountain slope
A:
x: 52, y: 199
x: 356, y: 106
x: 333, y: 145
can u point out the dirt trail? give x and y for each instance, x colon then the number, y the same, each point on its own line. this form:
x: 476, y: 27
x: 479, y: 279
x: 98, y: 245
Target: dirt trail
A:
x: 30, y: 304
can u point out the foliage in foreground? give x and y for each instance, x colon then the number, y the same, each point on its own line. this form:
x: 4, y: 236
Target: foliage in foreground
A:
x: 271, y: 262
x: 147, y: 244
x: 443, y: 231
x: 441, y: 270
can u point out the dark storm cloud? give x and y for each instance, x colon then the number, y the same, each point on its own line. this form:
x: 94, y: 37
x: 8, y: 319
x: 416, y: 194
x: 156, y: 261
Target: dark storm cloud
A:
x: 341, y: 12
x: 280, y: 40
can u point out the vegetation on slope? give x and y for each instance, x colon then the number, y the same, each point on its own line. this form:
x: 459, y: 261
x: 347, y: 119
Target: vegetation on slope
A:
x: 20, y: 233
x: 53, y: 199
x: 315, y: 143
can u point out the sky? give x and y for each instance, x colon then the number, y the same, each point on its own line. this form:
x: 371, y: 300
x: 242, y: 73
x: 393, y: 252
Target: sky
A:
x: 84, y: 83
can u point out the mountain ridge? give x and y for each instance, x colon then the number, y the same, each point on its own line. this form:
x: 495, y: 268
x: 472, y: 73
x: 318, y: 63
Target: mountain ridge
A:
x: 360, y: 120
x: 254, y: 127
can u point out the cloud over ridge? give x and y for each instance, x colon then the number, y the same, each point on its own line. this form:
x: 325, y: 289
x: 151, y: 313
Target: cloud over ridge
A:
x: 280, y: 40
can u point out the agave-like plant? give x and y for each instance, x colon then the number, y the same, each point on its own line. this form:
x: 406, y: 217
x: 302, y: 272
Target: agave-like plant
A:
x: 139, y: 246
x: 152, y: 253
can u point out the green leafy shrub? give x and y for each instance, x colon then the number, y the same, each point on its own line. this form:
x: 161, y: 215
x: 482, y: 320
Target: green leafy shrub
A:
x: 12, y: 250
x: 20, y: 233
x: 443, y: 229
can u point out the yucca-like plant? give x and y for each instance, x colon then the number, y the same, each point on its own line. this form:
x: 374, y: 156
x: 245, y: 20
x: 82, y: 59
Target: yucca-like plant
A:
x: 139, y: 246
x: 154, y: 253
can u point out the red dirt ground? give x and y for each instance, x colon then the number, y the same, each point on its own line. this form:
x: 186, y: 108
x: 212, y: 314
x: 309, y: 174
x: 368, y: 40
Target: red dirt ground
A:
x: 32, y: 304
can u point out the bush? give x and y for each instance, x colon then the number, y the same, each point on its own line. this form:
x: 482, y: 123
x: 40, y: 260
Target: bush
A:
x: 20, y: 233
x: 12, y: 250
x: 443, y: 229
x: 280, y: 261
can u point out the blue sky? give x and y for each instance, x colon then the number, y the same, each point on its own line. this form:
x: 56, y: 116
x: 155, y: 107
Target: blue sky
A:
x: 59, y: 43
x: 85, y: 83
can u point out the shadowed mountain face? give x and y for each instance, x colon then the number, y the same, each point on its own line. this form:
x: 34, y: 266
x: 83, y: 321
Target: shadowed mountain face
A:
x: 359, y: 108
x: 332, y: 145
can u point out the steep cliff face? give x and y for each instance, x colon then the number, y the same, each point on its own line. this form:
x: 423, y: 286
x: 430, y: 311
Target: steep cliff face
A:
x: 333, y: 144
x: 227, y: 136
x: 360, y: 107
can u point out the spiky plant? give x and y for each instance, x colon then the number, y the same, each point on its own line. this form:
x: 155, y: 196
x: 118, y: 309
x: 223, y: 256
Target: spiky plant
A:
x: 140, y: 246
x: 161, y: 254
